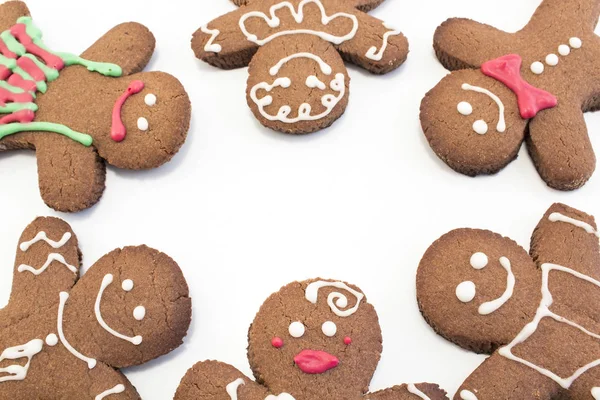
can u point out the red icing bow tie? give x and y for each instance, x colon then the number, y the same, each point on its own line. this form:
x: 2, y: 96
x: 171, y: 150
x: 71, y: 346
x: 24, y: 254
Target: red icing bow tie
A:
x: 531, y: 100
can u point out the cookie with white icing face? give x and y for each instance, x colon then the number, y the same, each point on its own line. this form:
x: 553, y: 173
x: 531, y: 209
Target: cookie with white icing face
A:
x: 311, y: 340
x: 536, y: 314
x: 64, y: 337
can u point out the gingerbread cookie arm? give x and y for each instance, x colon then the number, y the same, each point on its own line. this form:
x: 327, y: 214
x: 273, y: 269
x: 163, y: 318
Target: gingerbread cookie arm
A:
x: 580, y: 15
x: 409, y: 392
x: 10, y: 12
x: 463, y: 43
x: 560, y: 147
x: 216, y: 380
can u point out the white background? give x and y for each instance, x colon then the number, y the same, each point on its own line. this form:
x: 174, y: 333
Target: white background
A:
x: 245, y: 210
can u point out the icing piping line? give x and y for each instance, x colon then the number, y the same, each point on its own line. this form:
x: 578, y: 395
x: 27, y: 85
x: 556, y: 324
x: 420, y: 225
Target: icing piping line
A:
x: 325, y: 68
x: 558, y: 217
x: 210, y: 45
x: 375, y: 55
x: 232, y: 388
x: 64, y: 296
x: 312, y: 294
x: 414, y: 390
x: 51, y: 258
x: 115, y: 390
x: 491, y: 306
x: 41, y: 236
x: 18, y: 372
x: 501, y: 126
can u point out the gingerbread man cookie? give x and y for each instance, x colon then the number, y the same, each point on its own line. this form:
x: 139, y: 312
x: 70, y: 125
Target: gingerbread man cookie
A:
x: 63, y: 337
x: 312, y: 340
x: 536, y: 314
x: 296, y: 49
x: 78, y: 113
x: 532, y: 85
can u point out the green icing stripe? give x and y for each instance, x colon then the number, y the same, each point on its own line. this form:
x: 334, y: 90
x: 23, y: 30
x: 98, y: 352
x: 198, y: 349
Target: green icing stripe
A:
x: 8, y: 62
x: 12, y: 43
x: 10, y: 108
x: 106, y: 69
x: 41, y: 85
x: 51, y: 73
x: 10, y: 129
x: 33, y: 31
x: 11, y: 88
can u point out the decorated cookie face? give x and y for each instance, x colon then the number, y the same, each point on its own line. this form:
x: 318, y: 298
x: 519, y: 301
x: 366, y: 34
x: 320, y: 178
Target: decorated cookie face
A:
x: 311, y: 340
x: 86, y: 106
x: 298, y: 82
x: 130, y: 307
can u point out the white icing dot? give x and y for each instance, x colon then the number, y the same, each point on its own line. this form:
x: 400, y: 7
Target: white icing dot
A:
x: 479, y: 260
x: 127, y: 285
x: 596, y: 393
x: 142, y: 124
x: 51, y: 340
x: 150, y: 99
x: 139, y: 313
x: 480, y: 126
x: 537, y: 68
x: 464, y: 108
x: 329, y: 328
x: 465, y: 291
x: 575, y: 42
x: 564, y: 50
x: 297, y: 329
x: 552, y: 60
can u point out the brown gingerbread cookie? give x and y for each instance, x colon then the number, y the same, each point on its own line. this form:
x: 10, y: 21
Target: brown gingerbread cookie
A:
x: 63, y: 337
x: 312, y: 340
x: 296, y: 49
x: 78, y: 113
x: 532, y: 85
x: 536, y: 314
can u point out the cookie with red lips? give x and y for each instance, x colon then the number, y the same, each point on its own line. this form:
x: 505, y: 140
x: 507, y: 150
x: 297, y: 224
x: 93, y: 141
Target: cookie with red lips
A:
x: 312, y: 340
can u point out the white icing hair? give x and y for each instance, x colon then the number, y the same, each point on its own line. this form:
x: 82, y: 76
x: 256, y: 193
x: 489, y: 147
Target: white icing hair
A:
x: 336, y: 300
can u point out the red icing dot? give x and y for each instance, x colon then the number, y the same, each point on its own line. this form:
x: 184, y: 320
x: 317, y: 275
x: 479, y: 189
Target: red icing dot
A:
x: 277, y: 342
x: 347, y: 340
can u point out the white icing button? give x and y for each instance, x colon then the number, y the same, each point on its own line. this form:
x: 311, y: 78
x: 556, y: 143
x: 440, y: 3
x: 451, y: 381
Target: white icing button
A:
x: 479, y: 260
x: 552, y: 60
x: 329, y: 328
x: 480, y: 126
x: 142, y: 124
x: 127, y: 285
x: 297, y: 329
x: 564, y: 50
x: 537, y: 67
x: 464, y: 108
x: 51, y: 340
x: 575, y: 42
x: 139, y: 313
x: 150, y: 99
x: 465, y: 291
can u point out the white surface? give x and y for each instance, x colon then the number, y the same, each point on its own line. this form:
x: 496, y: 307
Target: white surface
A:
x: 245, y: 210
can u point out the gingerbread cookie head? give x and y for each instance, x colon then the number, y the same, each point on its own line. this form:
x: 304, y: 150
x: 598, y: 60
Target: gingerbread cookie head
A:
x: 79, y: 111
x: 536, y: 314
x: 507, y: 88
x: 130, y: 307
x: 296, y: 49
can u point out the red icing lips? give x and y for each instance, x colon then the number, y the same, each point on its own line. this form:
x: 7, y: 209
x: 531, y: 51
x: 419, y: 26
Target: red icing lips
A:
x: 315, y: 361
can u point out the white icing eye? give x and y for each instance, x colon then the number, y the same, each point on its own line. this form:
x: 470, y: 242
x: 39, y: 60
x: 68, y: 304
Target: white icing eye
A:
x: 480, y: 127
x: 51, y: 340
x: 127, y: 285
x: 464, y: 108
x: 465, y: 291
x: 139, y: 313
x: 297, y: 329
x: 150, y: 99
x: 142, y: 124
x: 564, y: 50
x: 329, y: 328
x: 575, y: 42
x: 537, y: 68
x: 479, y: 260
x: 552, y: 60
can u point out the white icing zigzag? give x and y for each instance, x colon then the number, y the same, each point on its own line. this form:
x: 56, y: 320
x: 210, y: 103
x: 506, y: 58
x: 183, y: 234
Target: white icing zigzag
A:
x: 210, y: 45
x: 273, y: 21
x: 17, y: 372
x: 42, y: 236
x: 51, y: 258
x: 375, y: 55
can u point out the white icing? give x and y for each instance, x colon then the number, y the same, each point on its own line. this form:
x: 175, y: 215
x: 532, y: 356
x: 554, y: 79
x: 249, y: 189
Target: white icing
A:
x: 312, y: 294
x: 210, y: 45
x: 479, y: 260
x: 467, y: 395
x: 575, y: 42
x: 552, y: 60
x: 558, y: 217
x: 139, y: 313
x: 464, y: 108
x: 18, y: 372
x: 127, y: 285
x: 232, y: 388
x: 296, y: 329
x: 537, y: 68
x: 42, y: 236
x: 282, y: 396
x: 64, y: 296
x: 325, y: 68
x: 51, y: 340
x: 375, y: 55
x: 273, y: 22
x: 142, y: 124
x: 329, y: 328
x: 115, y: 390
x: 106, y: 281
x: 480, y: 127
x: 491, y: 306
x: 314, y: 82
x: 542, y: 312
x: 564, y: 50
x: 414, y: 390
x: 465, y: 291
x: 501, y: 126
x: 150, y: 99
x: 51, y: 258
x: 596, y: 393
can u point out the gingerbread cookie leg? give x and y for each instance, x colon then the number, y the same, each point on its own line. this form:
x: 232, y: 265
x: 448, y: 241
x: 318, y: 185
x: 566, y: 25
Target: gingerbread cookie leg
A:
x: 409, y: 392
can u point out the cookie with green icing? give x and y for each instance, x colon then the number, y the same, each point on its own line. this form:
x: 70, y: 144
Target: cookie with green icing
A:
x: 78, y: 112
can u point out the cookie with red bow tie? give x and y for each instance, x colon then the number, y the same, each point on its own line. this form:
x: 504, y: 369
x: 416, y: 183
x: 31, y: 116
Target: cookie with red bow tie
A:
x: 312, y: 340
x: 506, y: 88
